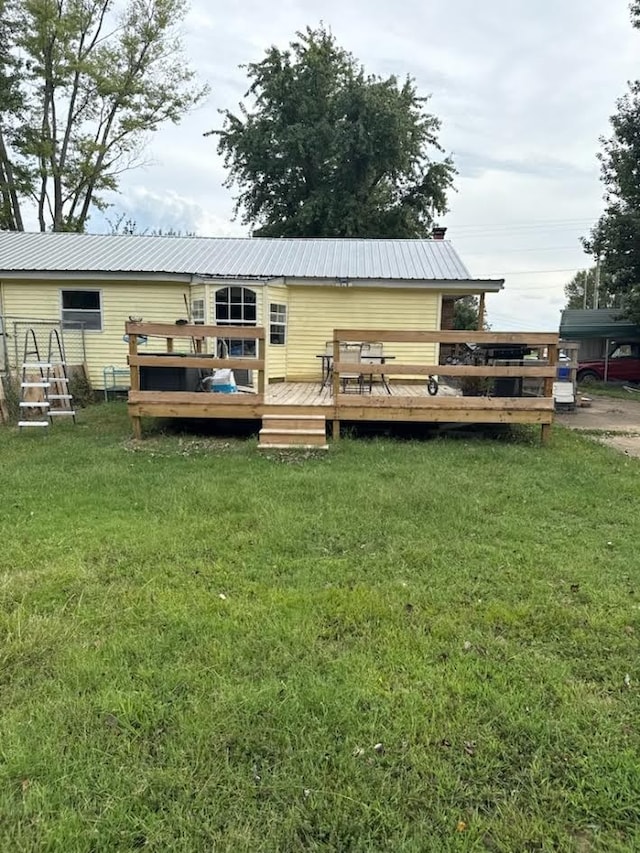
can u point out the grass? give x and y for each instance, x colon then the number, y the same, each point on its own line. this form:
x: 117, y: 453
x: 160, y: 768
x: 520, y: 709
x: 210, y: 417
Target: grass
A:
x: 608, y: 389
x: 398, y: 646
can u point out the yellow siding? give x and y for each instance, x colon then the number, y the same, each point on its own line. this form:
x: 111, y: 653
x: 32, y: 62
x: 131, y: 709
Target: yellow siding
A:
x: 154, y: 301
x: 276, y: 354
x: 314, y: 312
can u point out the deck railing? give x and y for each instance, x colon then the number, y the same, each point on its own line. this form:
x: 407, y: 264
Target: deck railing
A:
x: 200, y: 359
x: 506, y: 409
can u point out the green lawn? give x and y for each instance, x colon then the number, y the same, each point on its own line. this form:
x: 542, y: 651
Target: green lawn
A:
x: 397, y: 646
x: 615, y: 390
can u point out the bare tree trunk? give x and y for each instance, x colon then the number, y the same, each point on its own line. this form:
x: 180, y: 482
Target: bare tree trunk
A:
x: 9, y: 193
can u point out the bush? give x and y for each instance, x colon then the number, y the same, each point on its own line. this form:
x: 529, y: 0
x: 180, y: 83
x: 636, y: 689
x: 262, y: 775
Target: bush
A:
x: 476, y: 386
x: 11, y: 387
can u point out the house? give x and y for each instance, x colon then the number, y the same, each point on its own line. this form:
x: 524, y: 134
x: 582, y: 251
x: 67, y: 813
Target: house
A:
x: 299, y: 290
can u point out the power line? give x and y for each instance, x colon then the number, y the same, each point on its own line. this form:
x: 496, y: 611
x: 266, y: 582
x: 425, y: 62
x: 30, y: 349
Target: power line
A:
x: 517, y: 251
x: 531, y: 223
x: 525, y: 272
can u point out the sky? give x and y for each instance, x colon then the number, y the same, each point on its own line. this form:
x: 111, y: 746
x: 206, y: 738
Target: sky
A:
x: 524, y: 90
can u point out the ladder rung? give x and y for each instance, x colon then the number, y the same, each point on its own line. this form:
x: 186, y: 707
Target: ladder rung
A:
x: 59, y: 396
x: 33, y: 423
x: 35, y: 385
x: 37, y: 365
x: 58, y: 379
x: 26, y: 404
x: 59, y: 412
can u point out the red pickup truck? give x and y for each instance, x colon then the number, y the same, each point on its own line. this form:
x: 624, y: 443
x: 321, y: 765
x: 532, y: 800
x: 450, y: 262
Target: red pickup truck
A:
x: 623, y: 365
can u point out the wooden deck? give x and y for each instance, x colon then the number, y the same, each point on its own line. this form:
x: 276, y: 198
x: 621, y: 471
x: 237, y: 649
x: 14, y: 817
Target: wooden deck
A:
x: 405, y: 403
x: 408, y: 402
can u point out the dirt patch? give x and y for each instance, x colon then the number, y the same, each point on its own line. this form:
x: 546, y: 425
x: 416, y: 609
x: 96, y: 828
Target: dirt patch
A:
x: 629, y: 444
x: 618, y: 421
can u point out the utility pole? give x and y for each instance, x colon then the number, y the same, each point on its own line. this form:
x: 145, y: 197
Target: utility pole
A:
x: 597, y: 284
x: 584, y: 294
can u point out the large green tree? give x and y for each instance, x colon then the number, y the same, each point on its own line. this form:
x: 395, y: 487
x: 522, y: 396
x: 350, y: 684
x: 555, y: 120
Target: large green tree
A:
x: 575, y: 290
x: 324, y: 149
x: 616, y: 236
x: 82, y: 84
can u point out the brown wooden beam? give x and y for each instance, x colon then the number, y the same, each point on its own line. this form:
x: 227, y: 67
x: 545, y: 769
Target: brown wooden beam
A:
x: 205, y: 362
x: 532, y: 339
x: 348, y: 401
x: 190, y: 330
x: 481, y: 312
x: 390, y: 368
x: 187, y: 398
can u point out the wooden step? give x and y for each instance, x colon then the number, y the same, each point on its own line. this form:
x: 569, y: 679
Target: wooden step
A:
x: 294, y: 422
x: 298, y: 431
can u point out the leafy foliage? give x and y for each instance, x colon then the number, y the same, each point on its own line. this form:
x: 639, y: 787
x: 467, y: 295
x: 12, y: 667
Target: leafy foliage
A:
x: 616, y: 236
x: 465, y: 313
x: 574, y: 290
x: 328, y: 150
x: 95, y: 80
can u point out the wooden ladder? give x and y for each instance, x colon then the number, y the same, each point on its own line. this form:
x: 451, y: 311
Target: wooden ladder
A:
x: 280, y: 432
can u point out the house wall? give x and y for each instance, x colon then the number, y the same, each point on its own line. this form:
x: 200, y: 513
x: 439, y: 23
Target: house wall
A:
x: 153, y: 301
x: 276, y: 354
x: 315, y: 311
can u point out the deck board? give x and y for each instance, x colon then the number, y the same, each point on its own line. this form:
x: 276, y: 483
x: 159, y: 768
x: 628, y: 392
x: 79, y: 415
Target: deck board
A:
x: 310, y: 393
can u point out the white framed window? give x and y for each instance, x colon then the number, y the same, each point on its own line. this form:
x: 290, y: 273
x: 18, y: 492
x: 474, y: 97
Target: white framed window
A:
x: 237, y: 306
x: 81, y: 309
x: 197, y: 311
x: 277, y: 324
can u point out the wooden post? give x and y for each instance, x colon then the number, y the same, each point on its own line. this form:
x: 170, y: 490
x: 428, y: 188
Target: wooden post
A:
x: 481, y: 312
x: 335, y: 386
x: 197, y: 343
x: 169, y: 344
x: 261, y: 372
x: 552, y: 359
x: 136, y: 421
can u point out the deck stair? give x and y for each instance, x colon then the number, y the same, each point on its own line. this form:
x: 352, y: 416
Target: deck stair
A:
x: 303, y: 432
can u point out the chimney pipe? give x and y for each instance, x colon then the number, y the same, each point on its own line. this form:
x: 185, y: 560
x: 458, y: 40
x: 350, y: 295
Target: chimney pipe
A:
x: 438, y: 232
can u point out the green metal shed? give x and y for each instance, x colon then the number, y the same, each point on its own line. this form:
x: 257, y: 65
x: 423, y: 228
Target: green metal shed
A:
x: 595, y: 330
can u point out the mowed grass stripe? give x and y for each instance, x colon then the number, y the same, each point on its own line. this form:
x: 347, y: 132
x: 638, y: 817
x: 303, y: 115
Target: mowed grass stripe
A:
x: 399, y: 645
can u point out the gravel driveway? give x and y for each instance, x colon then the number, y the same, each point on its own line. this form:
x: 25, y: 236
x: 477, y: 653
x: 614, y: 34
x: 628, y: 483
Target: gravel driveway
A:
x: 619, y: 419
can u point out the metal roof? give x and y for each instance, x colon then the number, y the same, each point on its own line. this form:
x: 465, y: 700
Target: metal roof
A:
x: 249, y: 257
x: 576, y: 324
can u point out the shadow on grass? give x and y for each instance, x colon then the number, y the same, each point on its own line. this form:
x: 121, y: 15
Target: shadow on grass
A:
x: 361, y: 430
x: 427, y: 432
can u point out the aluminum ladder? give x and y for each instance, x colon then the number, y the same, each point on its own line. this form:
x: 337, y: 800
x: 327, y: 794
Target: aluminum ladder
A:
x: 58, y: 392
x: 46, y: 379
